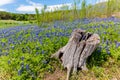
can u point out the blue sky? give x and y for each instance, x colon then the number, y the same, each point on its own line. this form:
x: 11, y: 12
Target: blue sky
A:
x: 28, y: 6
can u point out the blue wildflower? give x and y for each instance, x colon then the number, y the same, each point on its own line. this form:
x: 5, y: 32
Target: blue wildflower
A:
x: 107, y: 42
x: 22, y: 58
x: 19, y: 72
x: 108, y: 52
x: 42, y: 51
x: 105, y: 32
x: 9, y: 62
x: 99, y: 49
x: 55, y: 26
x: 22, y: 65
x: 48, y: 35
x: 12, y: 47
x: 37, y: 53
x: 27, y: 67
x: 117, y: 44
x: 3, y: 44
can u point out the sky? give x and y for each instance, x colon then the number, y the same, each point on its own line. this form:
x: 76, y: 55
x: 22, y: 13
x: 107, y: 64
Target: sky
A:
x: 28, y: 6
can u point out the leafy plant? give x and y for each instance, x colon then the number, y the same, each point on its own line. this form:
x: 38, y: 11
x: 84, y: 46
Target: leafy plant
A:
x: 37, y: 16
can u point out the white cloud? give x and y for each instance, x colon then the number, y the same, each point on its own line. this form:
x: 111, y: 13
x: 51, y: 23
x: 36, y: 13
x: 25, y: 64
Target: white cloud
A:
x: 33, y: 3
x: 99, y: 1
x: 58, y: 7
x: 4, y: 2
x: 32, y: 6
x: 28, y: 8
x: 2, y: 9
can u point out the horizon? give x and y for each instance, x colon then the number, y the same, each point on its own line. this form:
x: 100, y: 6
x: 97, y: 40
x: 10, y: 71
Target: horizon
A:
x: 28, y: 6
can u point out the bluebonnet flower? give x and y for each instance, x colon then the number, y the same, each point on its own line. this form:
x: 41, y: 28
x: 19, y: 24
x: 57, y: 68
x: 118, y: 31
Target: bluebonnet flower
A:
x: 37, y: 53
x: 22, y: 58
x: 110, y: 42
x: 27, y: 67
x: 107, y: 50
x: 117, y: 44
x: 9, y: 62
x: 67, y: 34
x: 99, y: 49
x: 12, y: 47
x: 43, y: 52
x: 55, y: 26
x: 20, y: 37
x: 107, y: 42
x: 40, y: 37
x: 13, y: 42
x: 19, y: 72
x: 22, y: 65
x: 3, y: 44
x: 48, y: 35
x: 35, y: 39
x: 105, y: 32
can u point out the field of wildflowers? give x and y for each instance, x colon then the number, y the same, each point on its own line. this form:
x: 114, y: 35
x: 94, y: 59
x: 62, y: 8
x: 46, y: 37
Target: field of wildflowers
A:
x: 25, y: 51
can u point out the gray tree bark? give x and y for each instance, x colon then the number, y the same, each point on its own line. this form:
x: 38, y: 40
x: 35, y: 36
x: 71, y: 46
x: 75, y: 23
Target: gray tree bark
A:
x: 75, y: 53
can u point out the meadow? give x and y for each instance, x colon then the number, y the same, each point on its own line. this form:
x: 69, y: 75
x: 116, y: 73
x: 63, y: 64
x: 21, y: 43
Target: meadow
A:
x: 27, y: 42
x: 13, y: 23
x: 25, y: 50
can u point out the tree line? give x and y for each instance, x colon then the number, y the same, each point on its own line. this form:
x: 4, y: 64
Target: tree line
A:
x: 13, y: 16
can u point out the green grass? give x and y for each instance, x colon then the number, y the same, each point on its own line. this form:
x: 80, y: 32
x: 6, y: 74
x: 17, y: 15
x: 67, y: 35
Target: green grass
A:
x: 12, y: 23
x: 102, y: 66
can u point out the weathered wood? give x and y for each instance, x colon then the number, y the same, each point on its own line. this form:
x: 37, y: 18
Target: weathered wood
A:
x: 75, y: 53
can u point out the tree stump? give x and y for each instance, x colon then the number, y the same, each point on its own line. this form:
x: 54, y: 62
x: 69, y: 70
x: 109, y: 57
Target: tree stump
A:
x: 75, y: 53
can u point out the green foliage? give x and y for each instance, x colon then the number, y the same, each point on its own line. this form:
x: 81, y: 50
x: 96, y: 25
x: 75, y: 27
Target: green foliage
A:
x: 75, y: 9
x: 109, y: 6
x: 89, y: 11
x: 13, y: 23
x: 37, y: 16
x: 36, y: 52
x: 14, y: 16
x: 83, y: 9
